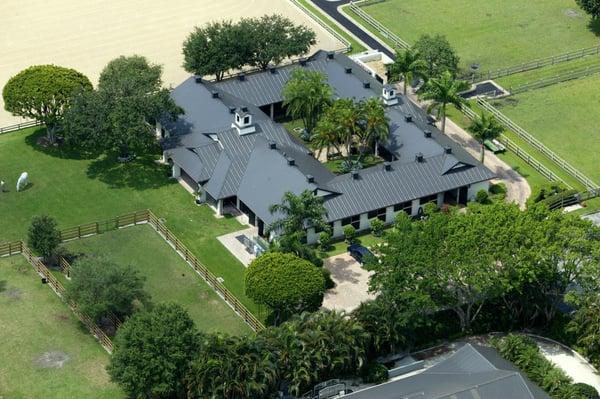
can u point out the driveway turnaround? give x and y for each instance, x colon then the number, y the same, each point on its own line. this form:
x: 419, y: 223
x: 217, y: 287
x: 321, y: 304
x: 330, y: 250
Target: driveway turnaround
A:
x: 87, y: 35
x: 351, y: 283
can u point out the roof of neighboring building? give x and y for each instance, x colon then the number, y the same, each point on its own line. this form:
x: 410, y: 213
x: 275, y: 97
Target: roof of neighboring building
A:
x: 472, y: 372
x: 210, y: 149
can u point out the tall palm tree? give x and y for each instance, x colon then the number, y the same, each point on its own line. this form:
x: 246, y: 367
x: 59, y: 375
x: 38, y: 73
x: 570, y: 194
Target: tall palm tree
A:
x: 305, y: 96
x: 407, y: 64
x: 326, y: 135
x: 486, y: 127
x: 297, y: 212
x: 376, y: 125
x: 443, y: 91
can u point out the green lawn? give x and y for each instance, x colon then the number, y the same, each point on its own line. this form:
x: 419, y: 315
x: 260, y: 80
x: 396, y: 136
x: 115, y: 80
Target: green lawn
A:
x: 564, y: 117
x: 168, y: 277
x: 366, y: 239
x: 367, y: 160
x: 35, y: 321
x: 76, y: 191
x: 493, y: 33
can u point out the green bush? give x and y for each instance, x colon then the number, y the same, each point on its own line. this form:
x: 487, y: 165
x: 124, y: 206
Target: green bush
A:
x: 43, y: 236
x: 556, y: 199
x: 325, y: 240
x: 482, y: 197
x: 349, y: 233
x: 586, y: 391
x: 374, y: 373
x: 329, y: 283
x: 377, y: 226
x: 496, y: 189
x: 547, y: 190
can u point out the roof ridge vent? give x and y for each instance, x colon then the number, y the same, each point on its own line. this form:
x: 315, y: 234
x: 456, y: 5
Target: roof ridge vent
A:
x: 427, y: 133
x: 198, y: 79
x: 242, y: 77
x: 273, y: 69
x: 291, y: 161
x: 303, y: 61
x: 448, y: 149
x: 355, y: 174
x: 348, y: 69
x: 330, y: 55
x: 214, y: 94
x: 367, y: 85
x: 408, y: 118
x: 419, y: 157
x: 232, y: 110
x: 310, y: 178
x: 387, y: 166
x: 272, y: 145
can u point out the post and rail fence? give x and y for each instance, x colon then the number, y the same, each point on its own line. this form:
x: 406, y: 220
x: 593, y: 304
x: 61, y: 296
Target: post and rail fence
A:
x: 19, y: 126
x: 560, y: 78
x: 379, y: 27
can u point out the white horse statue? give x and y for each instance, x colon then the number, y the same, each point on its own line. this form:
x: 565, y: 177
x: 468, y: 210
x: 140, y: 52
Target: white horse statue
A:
x: 23, y: 181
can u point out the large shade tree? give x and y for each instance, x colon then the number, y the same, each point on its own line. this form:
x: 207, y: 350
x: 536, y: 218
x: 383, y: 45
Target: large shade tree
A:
x: 438, y: 55
x: 407, y: 65
x: 43, y: 236
x: 486, y: 127
x: 231, y: 368
x: 443, y: 91
x: 305, y: 96
x: 102, y: 288
x: 592, y: 7
x: 153, y: 351
x: 44, y: 93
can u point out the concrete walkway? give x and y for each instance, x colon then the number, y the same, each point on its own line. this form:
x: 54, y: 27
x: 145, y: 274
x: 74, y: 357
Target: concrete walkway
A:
x: 235, y: 246
x: 594, y: 217
x: 352, y: 283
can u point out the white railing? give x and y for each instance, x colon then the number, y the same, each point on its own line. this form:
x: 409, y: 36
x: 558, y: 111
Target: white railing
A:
x: 19, y: 126
x: 382, y: 30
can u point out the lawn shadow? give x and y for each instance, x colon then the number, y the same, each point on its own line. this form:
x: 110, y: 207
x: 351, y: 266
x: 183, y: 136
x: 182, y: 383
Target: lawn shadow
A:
x: 61, y: 150
x: 594, y: 26
x: 140, y: 174
x: 3, y: 284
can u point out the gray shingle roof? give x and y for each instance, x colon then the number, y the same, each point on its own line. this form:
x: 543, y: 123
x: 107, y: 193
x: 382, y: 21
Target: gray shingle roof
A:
x: 473, y: 372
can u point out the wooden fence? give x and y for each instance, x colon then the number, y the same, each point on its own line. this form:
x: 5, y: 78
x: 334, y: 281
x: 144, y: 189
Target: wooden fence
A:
x: 56, y: 285
x: 560, y: 78
x: 347, y: 45
x: 535, y: 64
x: 11, y: 248
x: 538, y: 145
x: 379, y: 27
x: 146, y: 216
x: 19, y: 126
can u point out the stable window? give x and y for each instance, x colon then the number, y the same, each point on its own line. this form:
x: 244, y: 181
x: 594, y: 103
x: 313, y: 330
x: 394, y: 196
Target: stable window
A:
x: 405, y: 206
x: 377, y: 213
x: 428, y: 199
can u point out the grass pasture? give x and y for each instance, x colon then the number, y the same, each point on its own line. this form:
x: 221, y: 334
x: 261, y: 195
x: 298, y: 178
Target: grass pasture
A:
x: 36, y: 322
x: 492, y: 33
x: 565, y: 118
x: 77, y: 191
x: 168, y: 277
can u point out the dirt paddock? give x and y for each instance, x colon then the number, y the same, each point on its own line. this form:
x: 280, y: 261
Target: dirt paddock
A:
x: 87, y: 34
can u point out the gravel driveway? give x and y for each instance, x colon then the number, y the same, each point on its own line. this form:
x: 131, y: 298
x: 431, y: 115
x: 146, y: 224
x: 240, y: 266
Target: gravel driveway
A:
x: 352, y: 283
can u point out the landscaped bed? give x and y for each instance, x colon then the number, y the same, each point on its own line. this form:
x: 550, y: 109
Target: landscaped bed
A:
x: 75, y: 191
x: 168, y: 277
x: 46, y: 353
x: 494, y: 33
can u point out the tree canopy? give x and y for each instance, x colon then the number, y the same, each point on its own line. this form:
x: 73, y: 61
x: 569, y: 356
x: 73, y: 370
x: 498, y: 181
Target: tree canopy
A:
x: 152, y: 352
x: 486, y: 127
x: 120, y: 116
x: 44, y: 93
x: 438, y: 55
x: 442, y: 91
x: 43, y: 236
x: 592, y: 7
x: 305, y: 96
x: 100, y: 287
x: 284, y: 282
x: 407, y: 65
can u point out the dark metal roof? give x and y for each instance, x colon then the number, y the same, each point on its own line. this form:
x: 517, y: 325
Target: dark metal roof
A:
x: 473, y: 372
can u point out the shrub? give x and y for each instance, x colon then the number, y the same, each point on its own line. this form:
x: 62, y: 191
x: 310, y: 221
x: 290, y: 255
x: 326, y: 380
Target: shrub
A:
x: 329, y: 283
x: 374, y: 373
x: 482, y: 197
x: 325, y: 240
x: 43, y: 236
x: 587, y: 391
x: 377, y: 226
x: 547, y: 190
x: 285, y: 283
x: 498, y: 188
x: 349, y: 233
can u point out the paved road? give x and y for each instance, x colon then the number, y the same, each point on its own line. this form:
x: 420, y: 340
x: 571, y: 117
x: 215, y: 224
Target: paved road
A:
x: 331, y: 8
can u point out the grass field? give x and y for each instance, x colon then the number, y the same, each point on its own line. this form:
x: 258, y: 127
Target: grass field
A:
x: 35, y: 321
x: 564, y: 117
x: 492, y: 33
x: 77, y: 191
x: 168, y: 277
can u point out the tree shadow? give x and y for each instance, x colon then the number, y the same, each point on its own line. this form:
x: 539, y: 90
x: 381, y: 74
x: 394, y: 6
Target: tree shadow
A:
x: 594, y: 26
x: 3, y: 285
x: 141, y: 174
x: 61, y: 150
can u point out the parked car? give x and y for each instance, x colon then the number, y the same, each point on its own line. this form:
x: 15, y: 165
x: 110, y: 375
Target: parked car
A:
x: 360, y: 253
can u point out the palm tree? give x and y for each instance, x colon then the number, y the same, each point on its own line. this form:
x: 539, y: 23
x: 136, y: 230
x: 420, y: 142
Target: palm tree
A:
x: 297, y: 212
x: 326, y: 135
x: 486, y: 127
x: 376, y: 125
x: 407, y: 64
x: 305, y: 96
x: 443, y: 91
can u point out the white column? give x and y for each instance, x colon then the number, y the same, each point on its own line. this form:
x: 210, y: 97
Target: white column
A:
x: 176, y: 171
x: 220, y: 207
x: 390, y: 215
x: 158, y: 130
x: 415, y: 208
x: 365, y: 223
x: 338, y: 231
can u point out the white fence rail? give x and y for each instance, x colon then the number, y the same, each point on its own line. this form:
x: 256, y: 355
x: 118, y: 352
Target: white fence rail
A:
x: 560, y: 78
x: 324, y: 25
x: 19, y: 126
x: 383, y: 31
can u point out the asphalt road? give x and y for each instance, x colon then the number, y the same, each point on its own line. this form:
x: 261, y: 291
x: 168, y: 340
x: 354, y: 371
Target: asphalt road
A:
x: 330, y: 8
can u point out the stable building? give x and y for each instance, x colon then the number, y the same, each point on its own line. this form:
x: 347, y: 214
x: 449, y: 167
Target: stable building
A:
x: 229, y: 148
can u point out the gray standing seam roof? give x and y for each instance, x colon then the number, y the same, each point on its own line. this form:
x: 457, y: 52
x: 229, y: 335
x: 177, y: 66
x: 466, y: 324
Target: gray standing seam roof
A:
x: 470, y: 373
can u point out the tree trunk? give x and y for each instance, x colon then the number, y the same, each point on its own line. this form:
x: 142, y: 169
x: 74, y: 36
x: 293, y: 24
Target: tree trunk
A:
x: 51, y: 133
x: 443, y: 118
x: 405, y: 79
x: 482, y: 152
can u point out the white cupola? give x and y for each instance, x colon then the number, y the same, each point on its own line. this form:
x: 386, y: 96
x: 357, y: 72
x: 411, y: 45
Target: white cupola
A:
x: 389, y: 95
x: 242, y: 121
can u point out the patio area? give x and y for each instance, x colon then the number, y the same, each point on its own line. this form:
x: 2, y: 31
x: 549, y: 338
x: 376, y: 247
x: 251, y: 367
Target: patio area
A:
x: 241, y: 244
x: 351, y: 283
